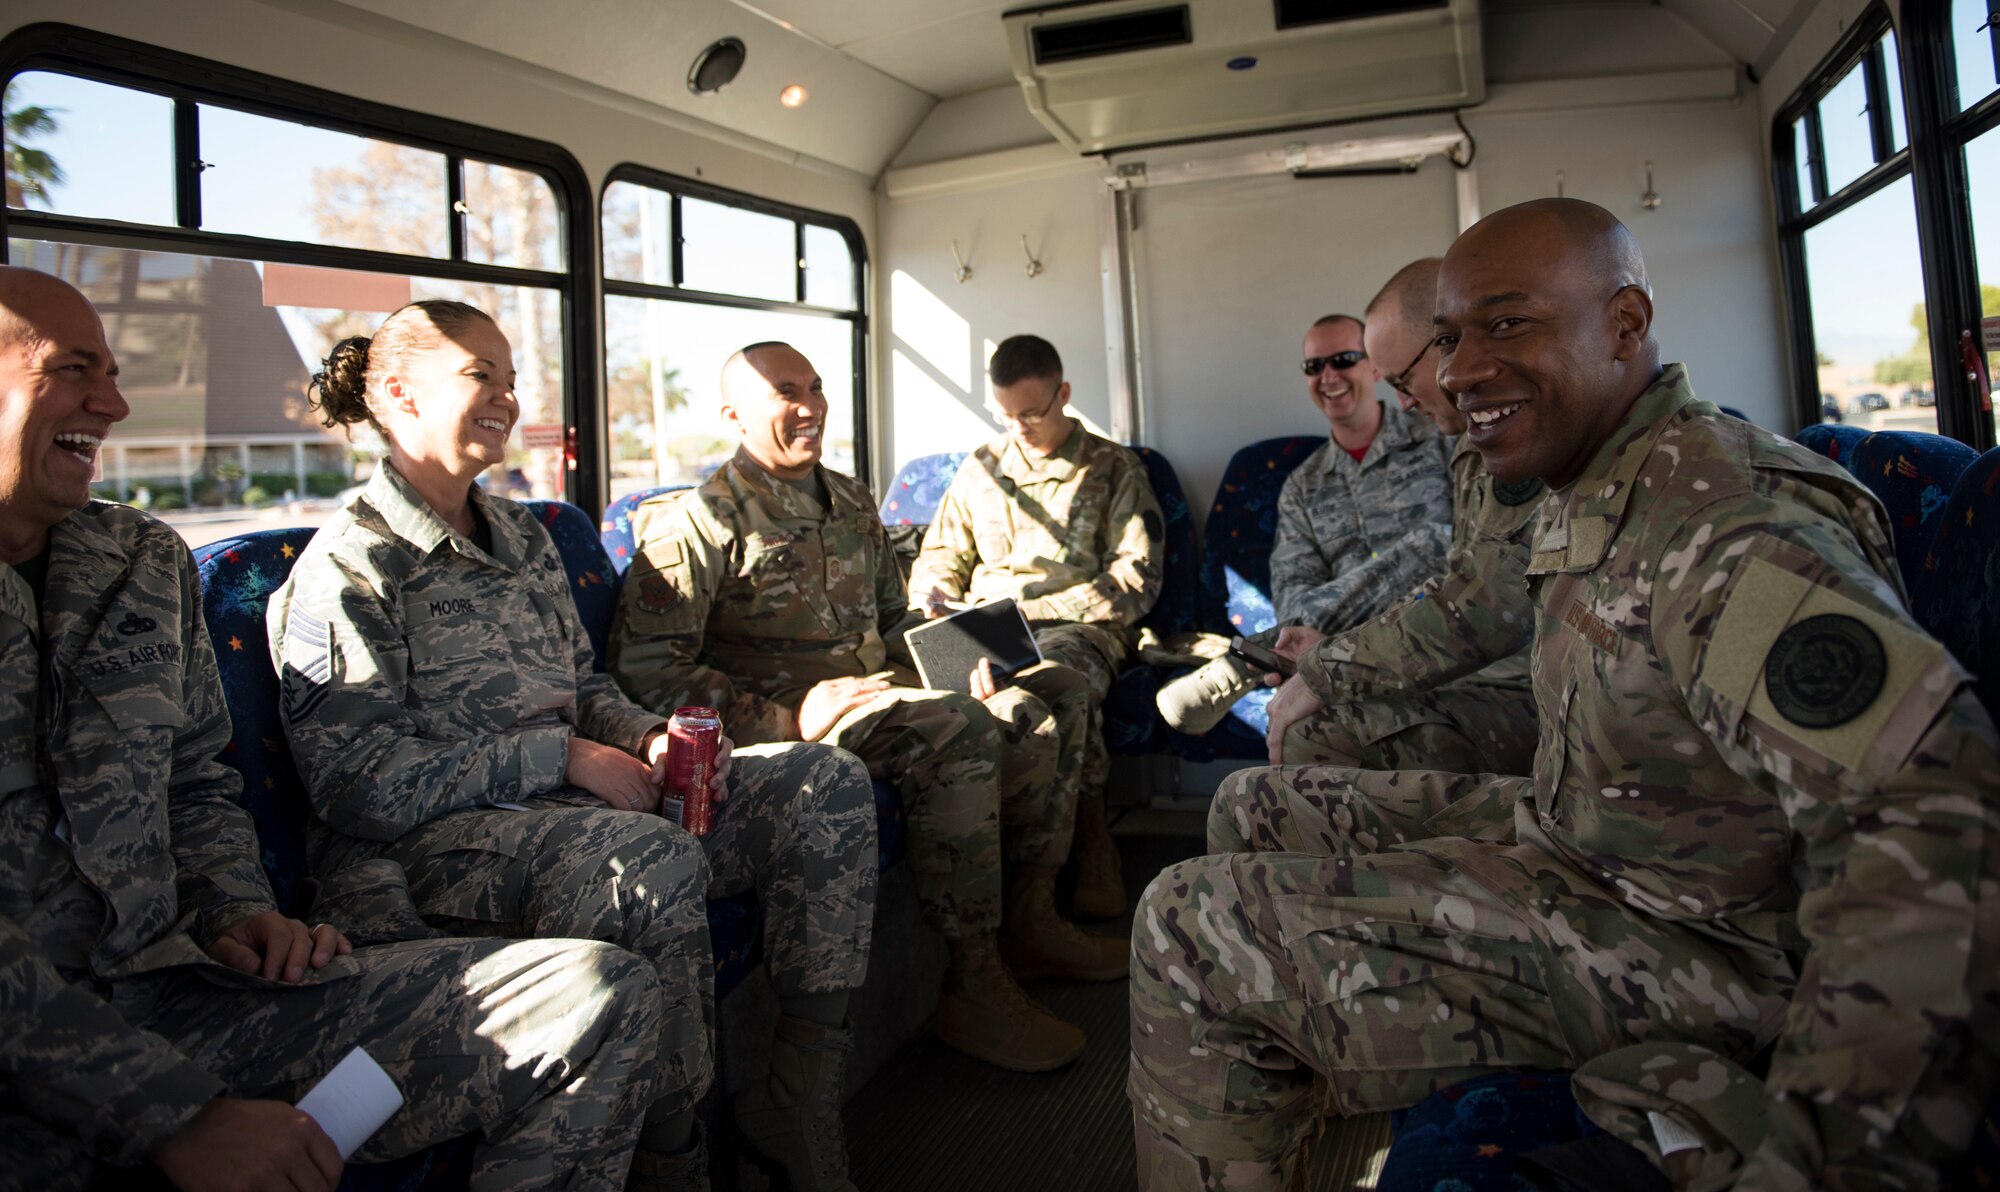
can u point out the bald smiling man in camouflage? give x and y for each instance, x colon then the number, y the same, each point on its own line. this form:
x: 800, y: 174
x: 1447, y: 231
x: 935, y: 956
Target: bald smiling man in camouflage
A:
x: 1761, y: 823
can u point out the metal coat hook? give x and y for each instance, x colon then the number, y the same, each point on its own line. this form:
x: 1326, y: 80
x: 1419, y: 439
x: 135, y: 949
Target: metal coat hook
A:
x: 1034, y: 267
x: 964, y: 271
x: 1651, y: 199
x: 1560, y: 178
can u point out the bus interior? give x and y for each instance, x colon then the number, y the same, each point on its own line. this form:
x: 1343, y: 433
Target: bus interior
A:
x: 1170, y: 191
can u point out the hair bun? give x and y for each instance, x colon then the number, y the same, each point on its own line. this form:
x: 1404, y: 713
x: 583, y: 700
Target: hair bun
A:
x: 340, y: 387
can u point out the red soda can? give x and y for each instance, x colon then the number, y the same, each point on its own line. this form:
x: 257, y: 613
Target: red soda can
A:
x: 693, y: 736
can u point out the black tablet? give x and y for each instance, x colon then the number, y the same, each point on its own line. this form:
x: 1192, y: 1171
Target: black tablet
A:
x: 947, y: 649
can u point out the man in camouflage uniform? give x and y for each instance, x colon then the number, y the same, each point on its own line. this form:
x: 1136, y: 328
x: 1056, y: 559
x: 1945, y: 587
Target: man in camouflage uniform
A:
x: 1361, y: 522
x: 1066, y: 524
x: 1760, y: 814
x: 769, y: 593
x: 1440, y: 680
x: 439, y: 696
x: 159, y: 1008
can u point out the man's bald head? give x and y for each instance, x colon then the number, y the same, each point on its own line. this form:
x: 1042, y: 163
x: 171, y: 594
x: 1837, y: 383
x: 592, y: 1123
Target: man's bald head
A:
x: 58, y: 400
x: 1398, y: 339
x: 773, y: 396
x: 1410, y: 295
x: 1545, y: 331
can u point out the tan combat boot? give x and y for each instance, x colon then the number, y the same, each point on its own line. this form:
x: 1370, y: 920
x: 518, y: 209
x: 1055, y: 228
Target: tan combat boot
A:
x: 1035, y: 941
x: 1197, y: 701
x: 687, y: 1171
x: 1100, y: 881
x: 792, y: 1116
x: 985, y: 1014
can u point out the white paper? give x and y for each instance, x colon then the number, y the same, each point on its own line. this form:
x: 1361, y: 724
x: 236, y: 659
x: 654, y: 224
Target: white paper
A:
x: 351, y: 1102
x: 1670, y: 1136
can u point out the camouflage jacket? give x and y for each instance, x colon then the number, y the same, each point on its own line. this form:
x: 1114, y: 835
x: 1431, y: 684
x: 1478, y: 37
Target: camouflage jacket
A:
x: 1743, y: 734
x: 1353, y: 538
x: 1475, y: 614
x: 1073, y: 537
x: 422, y: 675
x: 745, y: 592
x: 122, y: 847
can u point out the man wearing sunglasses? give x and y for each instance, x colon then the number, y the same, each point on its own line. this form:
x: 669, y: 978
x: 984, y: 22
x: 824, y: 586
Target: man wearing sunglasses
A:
x: 1406, y: 690
x: 1066, y: 523
x: 1361, y: 522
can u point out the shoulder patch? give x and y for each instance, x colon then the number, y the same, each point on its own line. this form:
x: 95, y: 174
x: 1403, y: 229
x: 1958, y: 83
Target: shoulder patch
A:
x: 308, y: 665
x: 1825, y: 670
x: 657, y: 593
x: 1517, y: 492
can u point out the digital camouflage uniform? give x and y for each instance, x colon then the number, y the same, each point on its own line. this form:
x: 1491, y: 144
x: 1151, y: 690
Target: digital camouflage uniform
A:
x: 1355, y: 537
x: 123, y: 853
x: 1074, y: 538
x: 1756, y: 779
x: 1440, y: 680
x: 428, y: 685
x: 746, y: 591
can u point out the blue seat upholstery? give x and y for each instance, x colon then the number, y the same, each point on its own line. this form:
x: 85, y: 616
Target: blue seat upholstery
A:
x: 1132, y: 723
x: 1733, y: 412
x: 615, y: 530
x: 593, y: 582
x: 1465, y: 1138
x: 918, y: 488
x: 1834, y: 440
x: 238, y: 576
x: 1913, y: 473
x: 1957, y: 594
x: 1234, y: 577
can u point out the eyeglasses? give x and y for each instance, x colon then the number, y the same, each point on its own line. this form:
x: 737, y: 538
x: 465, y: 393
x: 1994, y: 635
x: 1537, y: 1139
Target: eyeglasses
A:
x: 1339, y: 360
x: 1401, y: 381
x: 1029, y: 420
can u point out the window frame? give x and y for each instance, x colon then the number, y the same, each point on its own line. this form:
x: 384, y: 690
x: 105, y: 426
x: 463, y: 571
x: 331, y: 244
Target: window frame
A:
x: 189, y: 81
x: 678, y: 187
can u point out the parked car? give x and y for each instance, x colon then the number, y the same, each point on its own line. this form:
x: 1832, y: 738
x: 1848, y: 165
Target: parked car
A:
x: 1869, y: 401
x: 1829, y: 410
x: 1924, y: 397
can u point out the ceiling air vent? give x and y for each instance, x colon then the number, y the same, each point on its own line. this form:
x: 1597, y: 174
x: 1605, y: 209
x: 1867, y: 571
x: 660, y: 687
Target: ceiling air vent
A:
x: 1294, y: 13
x: 1095, y: 38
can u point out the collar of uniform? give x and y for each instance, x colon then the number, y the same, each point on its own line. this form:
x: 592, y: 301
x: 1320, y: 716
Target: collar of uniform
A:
x: 788, y: 501
x: 1017, y: 463
x: 1398, y: 430
x: 87, y: 565
x: 1576, y: 533
x: 412, y: 519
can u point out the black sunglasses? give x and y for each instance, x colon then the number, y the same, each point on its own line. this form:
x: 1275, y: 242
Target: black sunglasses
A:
x: 1340, y: 360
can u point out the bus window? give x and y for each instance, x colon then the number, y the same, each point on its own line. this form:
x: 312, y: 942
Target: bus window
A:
x: 77, y: 147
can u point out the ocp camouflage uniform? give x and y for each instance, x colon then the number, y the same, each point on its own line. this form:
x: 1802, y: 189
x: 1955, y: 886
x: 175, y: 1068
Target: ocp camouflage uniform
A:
x: 431, y: 689
x: 746, y: 591
x: 1355, y: 537
x: 1440, y: 680
x: 123, y: 854
x: 1074, y: 538
x: 1760, y: 814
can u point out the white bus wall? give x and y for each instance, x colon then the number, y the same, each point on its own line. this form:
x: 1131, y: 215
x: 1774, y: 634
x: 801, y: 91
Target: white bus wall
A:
x: 1229, y: 274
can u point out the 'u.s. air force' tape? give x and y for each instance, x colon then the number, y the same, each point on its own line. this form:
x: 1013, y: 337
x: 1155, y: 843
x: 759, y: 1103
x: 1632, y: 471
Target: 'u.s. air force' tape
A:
x: 308, y: 664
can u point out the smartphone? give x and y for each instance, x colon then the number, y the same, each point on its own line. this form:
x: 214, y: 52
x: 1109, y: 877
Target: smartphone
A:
x: 1257, y: 655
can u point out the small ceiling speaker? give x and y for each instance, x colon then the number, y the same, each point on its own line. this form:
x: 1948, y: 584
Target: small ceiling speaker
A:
x: 715, y: 66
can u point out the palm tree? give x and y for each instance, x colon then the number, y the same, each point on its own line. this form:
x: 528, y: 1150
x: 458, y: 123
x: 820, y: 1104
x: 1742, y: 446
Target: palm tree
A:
x: 30, y: 172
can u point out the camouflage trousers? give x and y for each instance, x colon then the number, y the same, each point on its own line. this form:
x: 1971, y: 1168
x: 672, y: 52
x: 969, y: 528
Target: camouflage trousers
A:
x: 543, y: 1050
x: 1463, y: 727
x: 978, y: 782
x: 797, y: 827
x: 1098, y: 654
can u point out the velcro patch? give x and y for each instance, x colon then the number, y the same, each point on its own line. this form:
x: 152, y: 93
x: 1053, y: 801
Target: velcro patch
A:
x: 308, y: 665
x: 657, y: 593
x: 1825, y: 670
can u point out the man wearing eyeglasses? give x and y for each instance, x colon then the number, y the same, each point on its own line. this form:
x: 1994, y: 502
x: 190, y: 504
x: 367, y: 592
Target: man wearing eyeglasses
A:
x: 1406, y: 690
x: 1361, y: 522
x: 1065, y: 523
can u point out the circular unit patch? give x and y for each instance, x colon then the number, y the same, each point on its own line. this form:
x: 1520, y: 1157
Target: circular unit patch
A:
x: 1825, y: 670
x: 1516, y: 492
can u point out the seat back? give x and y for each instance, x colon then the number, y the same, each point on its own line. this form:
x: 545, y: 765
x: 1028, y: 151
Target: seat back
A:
x: 238, y: 576
x: 1234, y: 574
x: 1733, y: 412
x: 593, y: 582
x: 914, y: 495
x: 615, y: 531
x: 1914, y: 474
x: 1957, y: 594
x: 1834, y: 440
x: 1175, y: 611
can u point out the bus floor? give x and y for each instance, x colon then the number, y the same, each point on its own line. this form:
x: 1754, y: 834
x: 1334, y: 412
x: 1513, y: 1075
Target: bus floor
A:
x: 934, y: 1120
